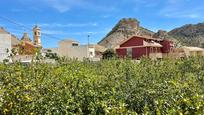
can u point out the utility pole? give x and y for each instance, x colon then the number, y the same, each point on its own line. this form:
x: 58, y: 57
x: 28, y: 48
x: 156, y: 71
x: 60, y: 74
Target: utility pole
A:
x: 88, y: 39
x: 88, y: 45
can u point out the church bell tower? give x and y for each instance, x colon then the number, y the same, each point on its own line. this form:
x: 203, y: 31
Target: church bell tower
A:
x: 36, y: 36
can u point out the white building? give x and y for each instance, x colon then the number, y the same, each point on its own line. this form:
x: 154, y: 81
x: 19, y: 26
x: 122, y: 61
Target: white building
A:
x: 5, y: 44
x: 72, y: 49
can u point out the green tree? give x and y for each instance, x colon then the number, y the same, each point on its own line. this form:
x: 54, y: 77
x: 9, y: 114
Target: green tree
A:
x: 109, y: 54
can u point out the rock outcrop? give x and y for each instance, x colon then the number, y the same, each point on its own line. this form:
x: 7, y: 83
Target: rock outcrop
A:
x: 125, y: 28
x: 162, y: 34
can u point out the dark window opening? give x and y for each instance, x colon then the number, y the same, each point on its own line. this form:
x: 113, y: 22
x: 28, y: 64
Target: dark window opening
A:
x: 74, y: 44
x: 91, y: 53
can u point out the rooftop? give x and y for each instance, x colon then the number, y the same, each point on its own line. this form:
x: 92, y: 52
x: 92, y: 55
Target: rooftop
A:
x: 142, y: 37
x: 69, y: 40
x: 36, y: 27
x: 3, y: 31
x: 26, y: 37
x: 193, y: 48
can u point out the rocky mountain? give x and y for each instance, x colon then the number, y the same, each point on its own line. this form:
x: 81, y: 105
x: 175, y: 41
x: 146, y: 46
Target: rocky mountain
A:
x: 124, y: 29
x: 191, y: 34
x: 162, y: 34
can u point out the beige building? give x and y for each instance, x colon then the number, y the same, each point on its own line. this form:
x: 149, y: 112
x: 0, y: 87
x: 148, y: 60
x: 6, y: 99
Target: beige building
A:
x: 72, y: 49
x: 186, y: 51
x: 193, y: 51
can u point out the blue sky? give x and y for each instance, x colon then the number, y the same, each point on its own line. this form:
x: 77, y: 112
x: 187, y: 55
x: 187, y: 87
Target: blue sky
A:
x: 78, y: 18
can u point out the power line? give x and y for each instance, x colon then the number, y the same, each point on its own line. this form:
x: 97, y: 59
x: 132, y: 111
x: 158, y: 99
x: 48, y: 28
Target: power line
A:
x: 14, y: 22
x: 51, y: 36
x: 25, y: 27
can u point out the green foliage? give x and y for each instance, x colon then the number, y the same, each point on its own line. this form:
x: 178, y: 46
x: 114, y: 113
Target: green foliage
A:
x: 109, y: 54
x: 51, y: 55
x: 105, y: 87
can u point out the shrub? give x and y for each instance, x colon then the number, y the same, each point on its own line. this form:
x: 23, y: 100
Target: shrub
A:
x: 105, y: 87
x: 109, y: 54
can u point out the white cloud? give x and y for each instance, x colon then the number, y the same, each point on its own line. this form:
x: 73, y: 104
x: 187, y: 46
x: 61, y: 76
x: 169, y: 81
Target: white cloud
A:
x: 59, y: 25
x: 182, y: 9
x: 177, y: 13
x: 59, y: 5
x: 185, y: 15
x: 53, y: 32
x: 177, y: 1
x: 60, y: 32
x: 64, y: 5
x: 139, y: 5
x: 17, y: 10
x: 172, y: 8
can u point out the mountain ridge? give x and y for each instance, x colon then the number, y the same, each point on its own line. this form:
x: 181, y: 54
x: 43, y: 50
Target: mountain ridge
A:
x: 189, y: 34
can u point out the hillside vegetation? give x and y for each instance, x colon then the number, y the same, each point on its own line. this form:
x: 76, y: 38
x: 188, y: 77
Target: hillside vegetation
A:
x: 191, y: 34
x: 105, y: 87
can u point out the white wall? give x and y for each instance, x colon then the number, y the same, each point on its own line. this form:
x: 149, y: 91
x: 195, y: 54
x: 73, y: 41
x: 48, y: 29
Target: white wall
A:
x: 79, y: 52
x: 5, y: 43
x: 92, y: 52
x: 67, y: 43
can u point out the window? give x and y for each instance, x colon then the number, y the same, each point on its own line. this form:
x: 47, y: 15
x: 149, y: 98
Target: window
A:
x: 91, y: 53
x: 75, y: 44
x: 129, y: 52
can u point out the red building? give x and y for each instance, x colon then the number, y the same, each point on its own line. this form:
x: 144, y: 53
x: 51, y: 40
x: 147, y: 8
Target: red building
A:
x: 138, y: 46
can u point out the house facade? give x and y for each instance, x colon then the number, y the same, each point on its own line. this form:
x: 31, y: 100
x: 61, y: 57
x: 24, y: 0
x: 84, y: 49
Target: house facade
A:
x: 193, y: 51
x: 137, y: 47
x: 5, y: 45
x: 72, y: 49
x: 187, y: 51
x: 24, y: 47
